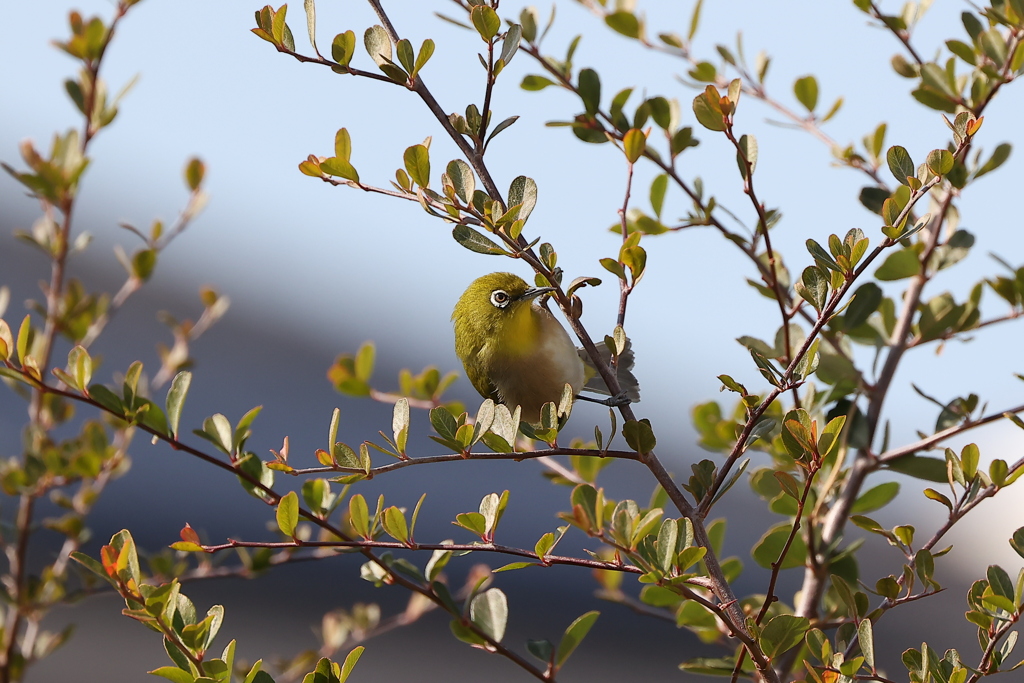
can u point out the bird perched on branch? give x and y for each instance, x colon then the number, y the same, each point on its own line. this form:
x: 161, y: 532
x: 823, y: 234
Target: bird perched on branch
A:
x: 515, y: 351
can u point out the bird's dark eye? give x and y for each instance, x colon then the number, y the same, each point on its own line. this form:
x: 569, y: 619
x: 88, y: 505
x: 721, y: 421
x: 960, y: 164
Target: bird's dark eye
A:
x: 500, y: 298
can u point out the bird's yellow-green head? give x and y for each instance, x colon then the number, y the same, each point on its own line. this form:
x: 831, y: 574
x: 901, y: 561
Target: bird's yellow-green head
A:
x: 495, y: 310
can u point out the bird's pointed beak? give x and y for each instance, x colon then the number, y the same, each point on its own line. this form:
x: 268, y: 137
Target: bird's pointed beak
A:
x: 535, y: 292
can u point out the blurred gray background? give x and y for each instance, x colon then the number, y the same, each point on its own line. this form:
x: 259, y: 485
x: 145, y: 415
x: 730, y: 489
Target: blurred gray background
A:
x: 313, y: 271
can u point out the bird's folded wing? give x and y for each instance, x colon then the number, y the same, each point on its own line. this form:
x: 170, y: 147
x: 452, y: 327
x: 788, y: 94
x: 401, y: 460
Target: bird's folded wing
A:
x: 624, y: 372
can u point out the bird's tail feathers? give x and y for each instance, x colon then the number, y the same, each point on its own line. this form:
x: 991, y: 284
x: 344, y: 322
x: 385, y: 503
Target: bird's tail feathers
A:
x: 624, y: 372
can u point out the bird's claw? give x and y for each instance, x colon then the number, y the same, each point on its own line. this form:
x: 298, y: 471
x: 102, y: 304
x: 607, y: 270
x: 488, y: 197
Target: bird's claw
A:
x: 618, y: 400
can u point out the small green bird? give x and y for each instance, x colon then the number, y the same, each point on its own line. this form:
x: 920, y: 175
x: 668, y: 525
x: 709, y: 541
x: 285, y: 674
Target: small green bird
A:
x: 515, y: 351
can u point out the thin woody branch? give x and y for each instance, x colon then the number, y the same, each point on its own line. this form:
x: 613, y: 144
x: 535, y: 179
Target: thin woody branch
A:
x: 463, y: 457
x: 546, y: 560
x: 938, y: 437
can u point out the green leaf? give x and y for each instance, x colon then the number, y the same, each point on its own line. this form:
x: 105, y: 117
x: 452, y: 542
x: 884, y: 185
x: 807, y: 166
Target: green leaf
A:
x: 623, y: 22
x: 343, y: 144
x: 865, y: 302
x: 813, y: 287
x: 417, y: 163
x: 997, y: 471
x: 668, y: 537
x: 887, y: 587
x: 900, y: 164
x: 340, y: 168
x: 994, y: 46
x: 395, y: 525
x: 782, y: 633
x: 92, y: 565
x: 489, y: 611
x: 343, y: 47
x: 515, y: 565
x: 806, y: 91
x: 933, y: 99
x: 589, y: 87
x: 510, y: 45
x: 940, y: 161
x: 690, y: 556
x: 823, y: 258
x: 423, y: 56
x: 174, y: 674
x: 359, y: 515
x: 486, y: 21
x: 658, y: 189
x: 364, y: 360
x: 310, y: 7
x: 746, y: 154
x: 278, y: 24
x: 875, y: 498
x: 920, y: 467
x: 768, y: 549
x: 541, y: 649
x: 523, y: 191
x: 492, y: 507
x: 1000, y: 581
x: 704, y: 72
x: 194, y: 172
x: 106, y: 398
x: 708, y: 111
x: 1017, y: 541
x: 464, y: 633
x: 936, y: 496
x: 25, y: 334
x: 694, y: 20
x: 502, y: 126
x: 634, y: 142
x: 639, y: 435
x: 217, y: 430
x: 472, y: 521
x: 288, y: 513
x: 898, y: 265
x: 377, y: 44
x: 461, y: 175
x: 400, y: 423
x: 256, y: 469
x: 573, y: 636
x: 645, y: 525
x: 80, y: 366
x: 533, y: 82
x: 681, y: 140
x: 704, y: 666
x: 873, y: 198
x: 789, y: 484
x: 443, y: 422
x: 176, y: 400
x: 866, y: 639
x: 999, y: 156
x: 406, y: 57
x: 350, y: 662
x: 833, y: 110
x: 475, y: 241
x: 6, y: 340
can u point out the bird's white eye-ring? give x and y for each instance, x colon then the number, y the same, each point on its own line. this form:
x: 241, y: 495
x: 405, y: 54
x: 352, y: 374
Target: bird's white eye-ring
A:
x: 500, y: 298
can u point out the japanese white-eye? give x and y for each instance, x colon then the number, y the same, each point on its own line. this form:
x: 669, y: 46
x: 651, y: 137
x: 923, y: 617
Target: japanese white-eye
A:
x: 515, y: 351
